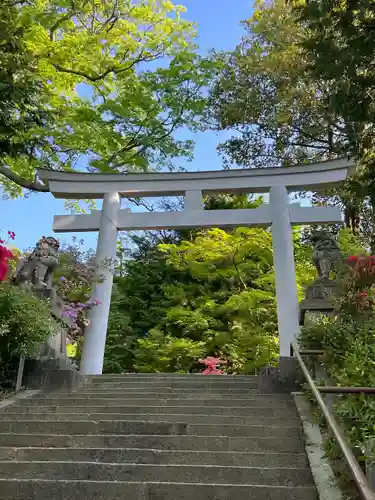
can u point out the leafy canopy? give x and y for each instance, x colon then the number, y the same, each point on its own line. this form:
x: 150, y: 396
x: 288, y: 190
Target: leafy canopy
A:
x: 117, y: 78
x: 264, y: 93
x: 340, y: 49
x: 289, y: 93
x: 209, y: 295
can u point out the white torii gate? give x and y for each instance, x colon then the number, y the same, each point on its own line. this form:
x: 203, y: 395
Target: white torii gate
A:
x: 278, y: 213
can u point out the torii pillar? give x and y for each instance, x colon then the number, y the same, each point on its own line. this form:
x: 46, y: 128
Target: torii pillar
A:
x: 96, y: 332
x: 278, y: 214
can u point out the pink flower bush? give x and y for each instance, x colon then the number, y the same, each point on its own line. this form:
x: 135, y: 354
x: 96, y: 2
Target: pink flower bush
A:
x: 5, y: 256
x: 358, y: 294
x: 212, y: 366
x: 77, y: 314
x: 73, y: 280
x: 11, y: 235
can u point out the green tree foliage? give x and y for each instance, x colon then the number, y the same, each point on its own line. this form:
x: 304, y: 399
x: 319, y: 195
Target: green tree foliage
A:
x: 279, y: 113
x: 25, y: 321
x: 119, y: 345
x: 160, y: 353
x: 341, y: 42
x: 138, y: 302
x: 117, y: 77
x: 22, y: 97
x: 340, y: 48
x: 141, y: 289
x: 231, y: 295
x: 25, y: 324
x: 210, y: 295
x: 277, y: 90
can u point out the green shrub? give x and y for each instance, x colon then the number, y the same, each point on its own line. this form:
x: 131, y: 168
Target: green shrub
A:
x: 249, y: 351
x: 160, y: 353
x: 25, y: 322
x: 331, y: 334
x: 118, y: 357
x: 349, y: 355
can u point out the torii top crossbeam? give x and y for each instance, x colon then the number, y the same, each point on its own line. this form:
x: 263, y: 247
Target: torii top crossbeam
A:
x: 303, y: 177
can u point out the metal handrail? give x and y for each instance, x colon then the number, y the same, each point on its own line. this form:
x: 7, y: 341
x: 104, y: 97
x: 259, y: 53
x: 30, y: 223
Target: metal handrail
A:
x: 359, y: 477
x: 346, y: 390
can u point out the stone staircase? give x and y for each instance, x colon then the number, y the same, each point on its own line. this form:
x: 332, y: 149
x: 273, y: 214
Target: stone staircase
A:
x: 155, y: 437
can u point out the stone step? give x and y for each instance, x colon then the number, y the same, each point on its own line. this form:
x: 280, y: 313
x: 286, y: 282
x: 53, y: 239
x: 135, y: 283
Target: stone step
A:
x: 109, y: 490
x: 89, y: 407
x: 250, y: 398
x: 155, y: 437
x: 161, y: 457
x: 160, y: 391
x: 178, y: 384
x: 153, y: 417
x: 175, y: 377
x: 202, y: 382
x: 160, y: 442
x: 149, y: 473
x: 140, y: 427
x: 77, y: 399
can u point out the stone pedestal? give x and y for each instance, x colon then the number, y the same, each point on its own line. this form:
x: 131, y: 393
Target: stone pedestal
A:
x: 51, y: 374
x: 52, y: 367
x: 319, y: 300
x: 55, y: 347
x: 285, y: 378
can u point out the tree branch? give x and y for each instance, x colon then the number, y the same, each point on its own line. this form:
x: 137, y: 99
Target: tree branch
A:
x: 96, y: 78
x: 141, y: 203
x: 17, y: 179
x: 62, y: 19
x: 81, y: 73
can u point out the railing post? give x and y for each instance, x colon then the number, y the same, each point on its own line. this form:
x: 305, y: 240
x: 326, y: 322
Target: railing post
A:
x: 21, y: 367
x: 370, y: 462
x: 320, y: 373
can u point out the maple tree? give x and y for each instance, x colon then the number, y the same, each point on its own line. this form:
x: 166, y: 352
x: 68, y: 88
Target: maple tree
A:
x: 111, y: 83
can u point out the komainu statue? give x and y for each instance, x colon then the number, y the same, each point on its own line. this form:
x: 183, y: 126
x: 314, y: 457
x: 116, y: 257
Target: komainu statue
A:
x: 38, y: 268
x: 326, y: 254
x: 320, y: 294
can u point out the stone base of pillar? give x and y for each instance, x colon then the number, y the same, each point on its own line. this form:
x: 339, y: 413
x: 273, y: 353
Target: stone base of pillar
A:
x: 282, y: 379
x: 51, y: 374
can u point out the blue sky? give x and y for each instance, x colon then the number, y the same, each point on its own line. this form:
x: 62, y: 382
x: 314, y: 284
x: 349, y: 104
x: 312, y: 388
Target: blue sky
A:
x: 220, y: 28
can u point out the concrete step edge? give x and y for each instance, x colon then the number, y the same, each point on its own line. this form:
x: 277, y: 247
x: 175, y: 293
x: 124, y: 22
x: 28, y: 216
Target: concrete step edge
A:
x: 77, y: 416
x: 157, y: 450
x: 173, y: 436
x: 156, y: 466
x: 84, y: 421
x: 90, y: 481
x: 177, y: 392
x: 160, y: 441
x: 40, y: 489
x: 21, y: 407
x: 177, y: 376
x: 154, y: 456
x: 25, y: 420
x: 288, y: 414
x: 209, y: 384
x: 120, y: 402
x: 175, y: 385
